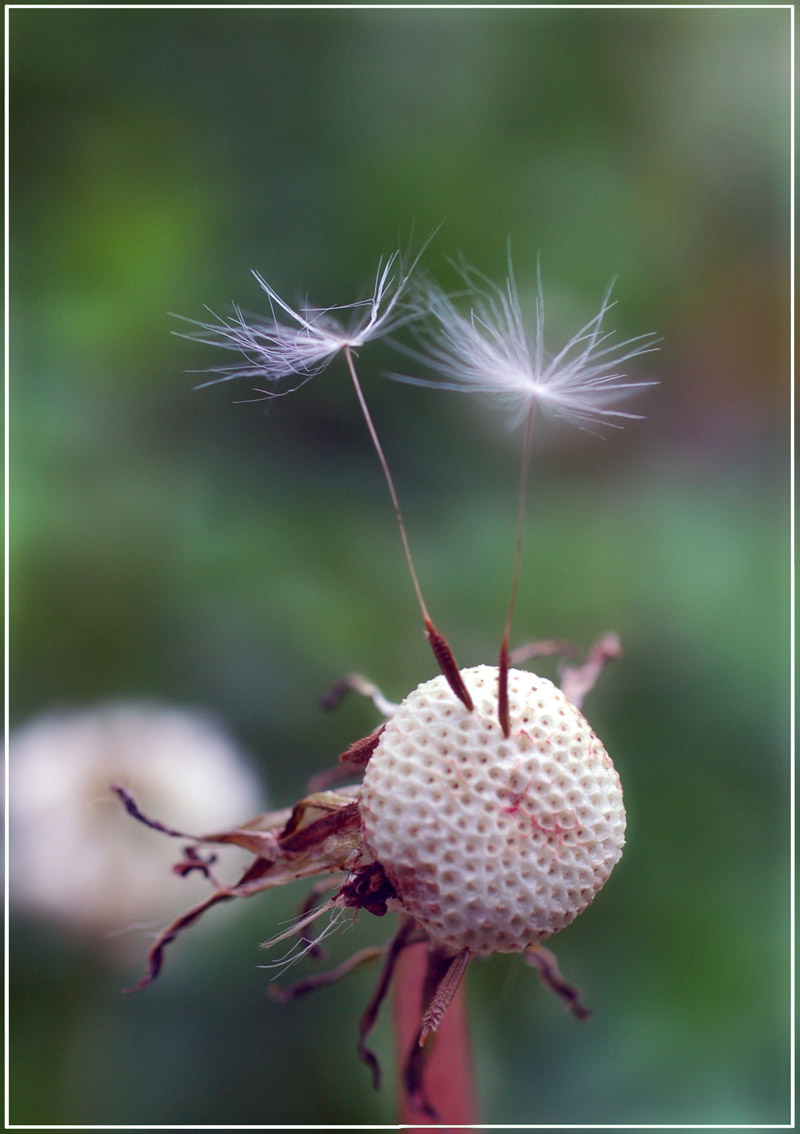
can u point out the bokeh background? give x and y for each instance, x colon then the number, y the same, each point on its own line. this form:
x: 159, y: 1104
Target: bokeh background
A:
x: 180, y: 548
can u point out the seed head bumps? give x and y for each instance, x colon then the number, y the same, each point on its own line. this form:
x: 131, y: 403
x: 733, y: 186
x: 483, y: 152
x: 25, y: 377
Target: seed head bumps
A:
x: 492, y: 844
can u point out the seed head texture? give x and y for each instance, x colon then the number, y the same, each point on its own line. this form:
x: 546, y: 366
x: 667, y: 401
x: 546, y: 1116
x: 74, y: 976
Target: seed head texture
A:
x: 492, y: 843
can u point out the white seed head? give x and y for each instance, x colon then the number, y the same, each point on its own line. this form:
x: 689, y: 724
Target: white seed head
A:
x: 492, y: 843
x: 72, y: 859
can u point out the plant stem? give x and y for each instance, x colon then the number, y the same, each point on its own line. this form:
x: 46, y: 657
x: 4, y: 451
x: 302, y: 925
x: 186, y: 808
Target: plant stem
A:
x: 390, y: 483
x: 503, y: 664
x: 438, y: 643
x: 522, y: 508
x: 448, y: 1075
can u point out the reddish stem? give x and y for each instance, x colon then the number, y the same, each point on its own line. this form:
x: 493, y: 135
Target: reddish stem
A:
x: 502, y: 695
x: 348, y: 357
x: 448, y: 1075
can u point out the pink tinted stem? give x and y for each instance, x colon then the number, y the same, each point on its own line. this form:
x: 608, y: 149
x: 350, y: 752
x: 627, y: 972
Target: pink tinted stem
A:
x: 448, y: 1076
x: 502, y: 693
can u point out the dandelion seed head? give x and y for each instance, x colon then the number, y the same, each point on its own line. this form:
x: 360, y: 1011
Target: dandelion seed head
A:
x: 104, y: 875
x: 492, y: 842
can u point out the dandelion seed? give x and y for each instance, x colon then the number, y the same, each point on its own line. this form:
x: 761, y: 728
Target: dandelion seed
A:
x: 305, y: 346
x: 308, y: 338
x: 273, y: 350
x: 489, y: 351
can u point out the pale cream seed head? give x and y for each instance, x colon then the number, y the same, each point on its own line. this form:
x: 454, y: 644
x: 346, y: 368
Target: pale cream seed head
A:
x: 492, y: 843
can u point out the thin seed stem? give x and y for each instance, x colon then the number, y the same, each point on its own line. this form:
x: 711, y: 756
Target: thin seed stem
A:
x: 502, y: 699
x: 390, y: 483
x: 523, y: 496
x: 438, y: 643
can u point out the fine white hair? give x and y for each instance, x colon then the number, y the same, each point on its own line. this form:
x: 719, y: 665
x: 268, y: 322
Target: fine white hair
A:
x: 489, y: 351
x: 300, y: 342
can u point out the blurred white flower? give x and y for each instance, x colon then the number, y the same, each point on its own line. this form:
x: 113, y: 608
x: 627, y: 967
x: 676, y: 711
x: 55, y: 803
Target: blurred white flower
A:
x: 313, y: 336
x: 488, y: 351
x: 76, y: 857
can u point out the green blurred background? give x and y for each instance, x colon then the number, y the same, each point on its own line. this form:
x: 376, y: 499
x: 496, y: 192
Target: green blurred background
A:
x: 175, y: 545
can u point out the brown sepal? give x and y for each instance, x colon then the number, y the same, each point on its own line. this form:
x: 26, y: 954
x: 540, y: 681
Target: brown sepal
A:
x: 155, y: 957
x: 332, y: 699
x: 257, y: 836
x: 258, y: 868
x: 544, y: 648
x: 578, y: 680
x: 132, y: 808
x: 545, y: 961
x: 326, y: 801
x: 407, y: 934
x: 283, y: 994
x: 192, y: 860
x: 334, y: 823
